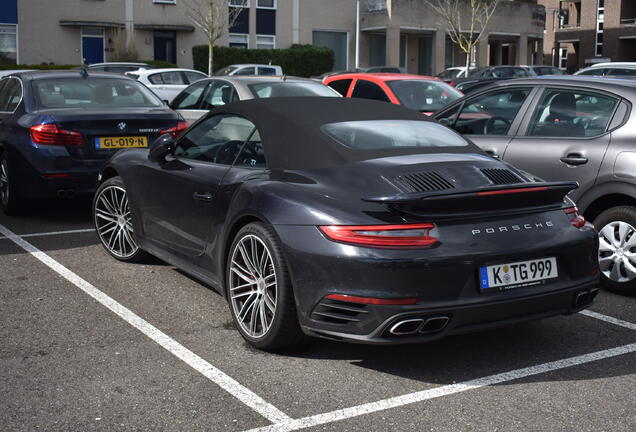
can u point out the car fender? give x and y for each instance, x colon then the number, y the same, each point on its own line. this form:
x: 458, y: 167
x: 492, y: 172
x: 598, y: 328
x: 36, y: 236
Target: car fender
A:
x: 605, y: 189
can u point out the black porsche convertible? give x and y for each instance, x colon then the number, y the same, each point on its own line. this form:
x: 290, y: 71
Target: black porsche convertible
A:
x: 348, y: 219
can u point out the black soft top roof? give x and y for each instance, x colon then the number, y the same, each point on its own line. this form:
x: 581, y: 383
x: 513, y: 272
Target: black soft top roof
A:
x: 291, y: 135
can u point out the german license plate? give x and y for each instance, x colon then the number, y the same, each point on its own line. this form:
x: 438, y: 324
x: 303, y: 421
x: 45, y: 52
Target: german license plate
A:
x: 517, y: 274
x: 121, y: 142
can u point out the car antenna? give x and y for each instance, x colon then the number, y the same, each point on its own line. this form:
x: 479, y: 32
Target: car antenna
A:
x: 84, y: 71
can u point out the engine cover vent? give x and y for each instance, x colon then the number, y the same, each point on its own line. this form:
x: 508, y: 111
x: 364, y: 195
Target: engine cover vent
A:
x: 501, y: 176
x: 422, y: 182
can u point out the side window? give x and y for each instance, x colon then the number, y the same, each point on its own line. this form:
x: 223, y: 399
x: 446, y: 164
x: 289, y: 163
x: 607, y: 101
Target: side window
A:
x: 570, y: 113
x: 10, y: 95
x: 368, y: 90
x: 622, y: 72
x: 246, y: 71
x: 194, y: 76
x: 252, y: 154
x: 491, y: 113
x: 172, y: 78
x: 217, y: 139
x: 220, y: 93
x: 595, y: 72
x: 155, y: 79
x: 266, y: 71
x: 189, y: 98
x: 341, y: 86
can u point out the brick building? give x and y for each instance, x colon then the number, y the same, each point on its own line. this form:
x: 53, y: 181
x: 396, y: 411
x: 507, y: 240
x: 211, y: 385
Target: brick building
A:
x: 583, y: 32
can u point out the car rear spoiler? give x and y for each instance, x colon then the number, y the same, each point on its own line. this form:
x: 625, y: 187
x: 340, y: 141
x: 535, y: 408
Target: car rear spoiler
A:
x: 540, y: 194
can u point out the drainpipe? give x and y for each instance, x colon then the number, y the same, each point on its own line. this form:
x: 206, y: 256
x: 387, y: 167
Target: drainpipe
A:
x: 296, y: 22
x: 130, y: 24
x: 357, y: 34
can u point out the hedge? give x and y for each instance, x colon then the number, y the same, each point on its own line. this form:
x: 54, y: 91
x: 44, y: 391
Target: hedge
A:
x: 298, y: 60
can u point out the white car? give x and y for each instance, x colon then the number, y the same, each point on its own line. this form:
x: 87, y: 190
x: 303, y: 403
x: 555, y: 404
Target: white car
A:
x: 167, y: 83
x: 613, y: 69
x: 250, y: 70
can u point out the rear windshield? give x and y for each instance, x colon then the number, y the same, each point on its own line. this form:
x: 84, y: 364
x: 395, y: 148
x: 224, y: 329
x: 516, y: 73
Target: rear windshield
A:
x: 449, y: 73
x: 93, y: 93
x: 291, y: 89
x: 423, y: 95
x: 392, y: 134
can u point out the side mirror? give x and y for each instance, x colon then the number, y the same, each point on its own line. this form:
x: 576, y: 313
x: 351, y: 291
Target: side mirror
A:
x: 160, y: 148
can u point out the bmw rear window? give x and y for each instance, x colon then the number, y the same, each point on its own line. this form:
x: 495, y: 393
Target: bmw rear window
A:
x: 93, y: 92
x: 392, y: 134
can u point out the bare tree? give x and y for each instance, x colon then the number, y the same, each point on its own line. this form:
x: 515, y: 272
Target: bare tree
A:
x: 465, y: 31
x: 214, y: 18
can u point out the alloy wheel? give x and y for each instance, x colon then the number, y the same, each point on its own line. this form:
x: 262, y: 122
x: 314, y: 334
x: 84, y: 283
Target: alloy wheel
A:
x: 4, y: 182
x: 113, y: 222
x: 252, y: 286
x: 617, y: 259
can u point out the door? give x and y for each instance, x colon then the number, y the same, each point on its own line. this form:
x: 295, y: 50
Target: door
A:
x: 179, y: 197
x: 166, y: 46
x: 565, y: 137
x: 92, y: 46
x: 425, y: 56
x: 489, y: 119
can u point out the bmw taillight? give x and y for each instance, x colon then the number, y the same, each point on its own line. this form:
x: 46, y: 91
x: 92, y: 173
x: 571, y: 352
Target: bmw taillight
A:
x: 575, y: 218
x: 50, y: 134
x: 388, y: 236
x: 175, y: 131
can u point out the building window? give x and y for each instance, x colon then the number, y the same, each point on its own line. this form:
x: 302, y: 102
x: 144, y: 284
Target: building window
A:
x: 239, y: 40
x: 8, y: 45
x: 266, y: 4
x: 600, y: 20
x: 265, y: 42
x: 240, y: 3
x: 338, y: 42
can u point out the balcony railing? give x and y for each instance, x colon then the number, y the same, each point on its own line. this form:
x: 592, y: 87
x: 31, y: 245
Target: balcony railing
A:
x: 374, y: 5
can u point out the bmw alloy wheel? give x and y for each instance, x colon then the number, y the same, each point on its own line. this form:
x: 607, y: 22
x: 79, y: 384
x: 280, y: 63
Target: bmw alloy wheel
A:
x: 252, y: 286
x: 617, y: 261
x: 113, y: 222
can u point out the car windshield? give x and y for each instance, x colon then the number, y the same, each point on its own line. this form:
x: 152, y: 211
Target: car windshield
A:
x: 392, y: 134
x: 449, y: 73
x: 226, y: 70
x: 287, y: 89
x: 93, y: 92
x: 424, y: 95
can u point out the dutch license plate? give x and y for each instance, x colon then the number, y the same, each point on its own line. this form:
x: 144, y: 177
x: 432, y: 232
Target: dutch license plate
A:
x: 121, y: 142
x: 517, y: 274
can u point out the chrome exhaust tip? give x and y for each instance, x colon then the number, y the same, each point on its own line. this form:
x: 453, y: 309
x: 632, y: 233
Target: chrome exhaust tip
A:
x: 406, y: 327
x: 434, y: 324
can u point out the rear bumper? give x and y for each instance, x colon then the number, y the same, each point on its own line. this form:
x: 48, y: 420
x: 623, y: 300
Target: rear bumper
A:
x: 443, y: 280
x: 435, y: 323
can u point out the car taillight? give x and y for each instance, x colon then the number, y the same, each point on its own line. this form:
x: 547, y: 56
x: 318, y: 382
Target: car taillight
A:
x: 390, y: 236
x: 373, y: 300
x: 175, y: 131
x: 50, y: 134
x: 575, y: 218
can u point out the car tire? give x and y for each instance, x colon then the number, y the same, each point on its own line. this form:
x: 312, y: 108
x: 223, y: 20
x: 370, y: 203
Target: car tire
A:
x: 113, y: 221
x: 10, y: 200
x: 617, y: 242
x: 259, y: 285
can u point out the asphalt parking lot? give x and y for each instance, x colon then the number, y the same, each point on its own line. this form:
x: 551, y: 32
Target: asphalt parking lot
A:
x: 89, y: 343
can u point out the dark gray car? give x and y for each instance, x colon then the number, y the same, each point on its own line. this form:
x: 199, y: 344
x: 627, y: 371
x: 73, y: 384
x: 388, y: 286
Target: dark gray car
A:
x: 568, y: 128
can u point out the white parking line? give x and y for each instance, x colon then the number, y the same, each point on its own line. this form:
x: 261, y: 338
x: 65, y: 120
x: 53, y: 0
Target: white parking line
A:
x: 446, y: 390
x: 50, y: 233
x: 229, y: 384
x: 609, y: 319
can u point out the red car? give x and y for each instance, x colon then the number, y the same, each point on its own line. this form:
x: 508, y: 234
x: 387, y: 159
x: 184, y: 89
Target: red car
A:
x: 421, y: 93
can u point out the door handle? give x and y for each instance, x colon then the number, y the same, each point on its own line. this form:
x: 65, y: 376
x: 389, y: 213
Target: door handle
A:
x: 574, y: 159
x: 492, y: 153
x: 203, y: 196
